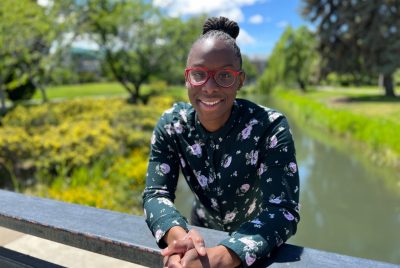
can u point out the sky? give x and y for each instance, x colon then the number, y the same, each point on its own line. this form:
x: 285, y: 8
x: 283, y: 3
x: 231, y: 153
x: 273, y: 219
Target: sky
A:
x: 261, y: 22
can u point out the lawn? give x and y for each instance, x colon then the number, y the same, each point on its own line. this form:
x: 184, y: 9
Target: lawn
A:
x: 362, y: 115
x: 83, y: 90
x: 364, y: 101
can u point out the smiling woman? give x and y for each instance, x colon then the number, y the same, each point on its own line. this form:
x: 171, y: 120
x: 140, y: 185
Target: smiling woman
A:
x: 237, y: 157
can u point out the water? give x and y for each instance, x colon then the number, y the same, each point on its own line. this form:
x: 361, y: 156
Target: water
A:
x: 345, y: 206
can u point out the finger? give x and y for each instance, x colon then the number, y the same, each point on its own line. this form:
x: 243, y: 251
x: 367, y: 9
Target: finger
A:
x: 198, y: 242
x: 177, y: 246
x: 173, y: 261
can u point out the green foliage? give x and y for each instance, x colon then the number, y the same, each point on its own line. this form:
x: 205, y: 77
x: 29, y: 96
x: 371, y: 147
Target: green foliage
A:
x: 358, y: 37
x: 378, y: 133
x: 250, y: 69
x: 27, y: 33
x: 88, y: 151
x: 293, y: 60
x: 138, y: 42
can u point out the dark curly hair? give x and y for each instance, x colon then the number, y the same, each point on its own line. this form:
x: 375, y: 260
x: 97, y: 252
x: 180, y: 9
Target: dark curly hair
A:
x: 224, y: 29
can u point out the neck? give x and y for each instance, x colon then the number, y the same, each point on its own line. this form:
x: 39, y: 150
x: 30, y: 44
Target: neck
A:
x: 212, y: 125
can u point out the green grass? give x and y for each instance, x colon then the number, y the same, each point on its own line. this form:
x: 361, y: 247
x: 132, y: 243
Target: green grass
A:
x: 363, y: 116
x: 105, y: 90
x: 83, y: 90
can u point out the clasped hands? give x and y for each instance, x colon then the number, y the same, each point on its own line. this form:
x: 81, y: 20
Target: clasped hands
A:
x: 190, y: 251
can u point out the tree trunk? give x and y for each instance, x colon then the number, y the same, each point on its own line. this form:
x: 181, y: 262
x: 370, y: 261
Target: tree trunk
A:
x: 3, y: 108
x: 386, y: 81
x: 134, y: 97
x: 42, y: 90
x: 302, y: 85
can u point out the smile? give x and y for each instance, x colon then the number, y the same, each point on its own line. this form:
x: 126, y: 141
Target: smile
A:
x: 211, y: 103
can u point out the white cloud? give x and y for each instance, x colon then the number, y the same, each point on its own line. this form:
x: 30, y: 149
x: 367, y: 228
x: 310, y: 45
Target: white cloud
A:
x: 245, y: 38
x: 234, y: 14
x: 229, y: 8
x: 45, y: 3
x: 282, y: 24
x: 256, y: 19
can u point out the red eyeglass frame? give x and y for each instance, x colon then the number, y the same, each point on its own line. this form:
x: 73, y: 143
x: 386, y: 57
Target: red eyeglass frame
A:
x: 209, y: 74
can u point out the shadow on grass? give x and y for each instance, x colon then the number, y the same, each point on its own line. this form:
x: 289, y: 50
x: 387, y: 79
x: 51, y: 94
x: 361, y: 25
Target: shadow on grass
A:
x: 370, y: 98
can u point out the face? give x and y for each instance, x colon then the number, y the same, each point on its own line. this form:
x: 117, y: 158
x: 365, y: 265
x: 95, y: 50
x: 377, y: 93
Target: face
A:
x: 212, y: 102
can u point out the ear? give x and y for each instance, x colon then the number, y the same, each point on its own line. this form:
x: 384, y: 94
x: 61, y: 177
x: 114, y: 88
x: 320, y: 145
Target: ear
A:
x: 242, y: 78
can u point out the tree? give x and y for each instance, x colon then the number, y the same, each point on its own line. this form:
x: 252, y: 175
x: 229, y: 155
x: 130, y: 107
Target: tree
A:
x: 294, y: 59
x: 358, y: 36
x: 129, y: 34
x: 178, y: 36
x: 28, y: 31
x: 301, y: 58
x: 250, y: 68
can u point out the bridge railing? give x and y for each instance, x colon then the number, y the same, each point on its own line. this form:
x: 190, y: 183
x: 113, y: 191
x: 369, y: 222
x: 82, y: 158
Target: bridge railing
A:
x: 125, y: 237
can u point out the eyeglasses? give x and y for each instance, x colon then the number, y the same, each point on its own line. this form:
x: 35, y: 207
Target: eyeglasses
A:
x: 198, y: 76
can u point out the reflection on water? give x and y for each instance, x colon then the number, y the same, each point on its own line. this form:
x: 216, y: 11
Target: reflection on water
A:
x: 345, y: 208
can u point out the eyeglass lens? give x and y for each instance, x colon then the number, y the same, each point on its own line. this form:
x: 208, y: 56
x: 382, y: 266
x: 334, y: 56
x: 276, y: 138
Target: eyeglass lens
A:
x: 224, y: 78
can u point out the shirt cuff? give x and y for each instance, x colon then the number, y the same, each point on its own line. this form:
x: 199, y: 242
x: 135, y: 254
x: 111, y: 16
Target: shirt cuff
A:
x: 247, y: 248
x: 161, y: 230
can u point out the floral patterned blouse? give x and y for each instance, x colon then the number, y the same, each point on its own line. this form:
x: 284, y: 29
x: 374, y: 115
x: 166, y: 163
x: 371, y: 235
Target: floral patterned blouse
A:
x: 244, y: 177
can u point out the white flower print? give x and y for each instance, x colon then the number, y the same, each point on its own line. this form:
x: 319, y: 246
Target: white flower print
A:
x: 275, y: 200
x: 227, y: 161
x: 251, y: 244
x: 261, y: 169
x: 178, y: 127
x: 153, y: 138
x: 165, y: 201
x: 293, y: 167
x: 214, y: 203
x: 212, y: 177
x: 159, y: 234
x: 183, y: 114
x: 252, y: 157
x: 273, y: 142
x: 253, y: 122
x: 183, y: 163
x: 272, y: 116
x: 200, y: 213
x: 229, y: 216
x: 169, y: 129
x: 251, y: 208
x: 288, y: 215
x: 244, y: 188
x: 164, y: 168
x: 246, y: 132
x: 170, y: 110
x: 195, y: 149
x: 250, y: 258
x: 257, y: 223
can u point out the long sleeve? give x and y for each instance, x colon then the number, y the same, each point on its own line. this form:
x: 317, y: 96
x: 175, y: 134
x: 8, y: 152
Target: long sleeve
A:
x: 279, y: 183
x: 161, y: 181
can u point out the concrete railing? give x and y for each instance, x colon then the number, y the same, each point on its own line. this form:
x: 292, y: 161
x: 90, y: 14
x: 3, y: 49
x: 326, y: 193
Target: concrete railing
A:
x: 124, y: 236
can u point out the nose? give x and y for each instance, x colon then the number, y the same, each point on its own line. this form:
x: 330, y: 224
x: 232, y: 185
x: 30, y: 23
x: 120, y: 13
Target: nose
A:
x: 210, y: 86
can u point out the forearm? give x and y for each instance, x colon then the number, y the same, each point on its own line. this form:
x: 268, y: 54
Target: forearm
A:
x: 224, y: 257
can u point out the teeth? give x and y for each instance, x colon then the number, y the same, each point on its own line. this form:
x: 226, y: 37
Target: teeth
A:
x: 210, y: 103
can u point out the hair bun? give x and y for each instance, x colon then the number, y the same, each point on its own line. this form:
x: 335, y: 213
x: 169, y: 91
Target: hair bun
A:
x: 221, y: 24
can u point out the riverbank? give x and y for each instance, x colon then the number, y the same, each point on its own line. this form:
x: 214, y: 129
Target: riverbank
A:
x: 359, y: 119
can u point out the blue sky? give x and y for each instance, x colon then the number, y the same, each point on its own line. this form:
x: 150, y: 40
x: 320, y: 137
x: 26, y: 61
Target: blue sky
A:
x: 261, y: 21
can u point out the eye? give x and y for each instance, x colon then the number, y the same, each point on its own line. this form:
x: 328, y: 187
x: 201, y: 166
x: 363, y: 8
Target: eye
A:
x: 225, y: 75
x: 198, y: 75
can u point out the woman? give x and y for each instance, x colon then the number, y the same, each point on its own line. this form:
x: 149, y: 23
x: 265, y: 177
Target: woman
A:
x: 237, y: 157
